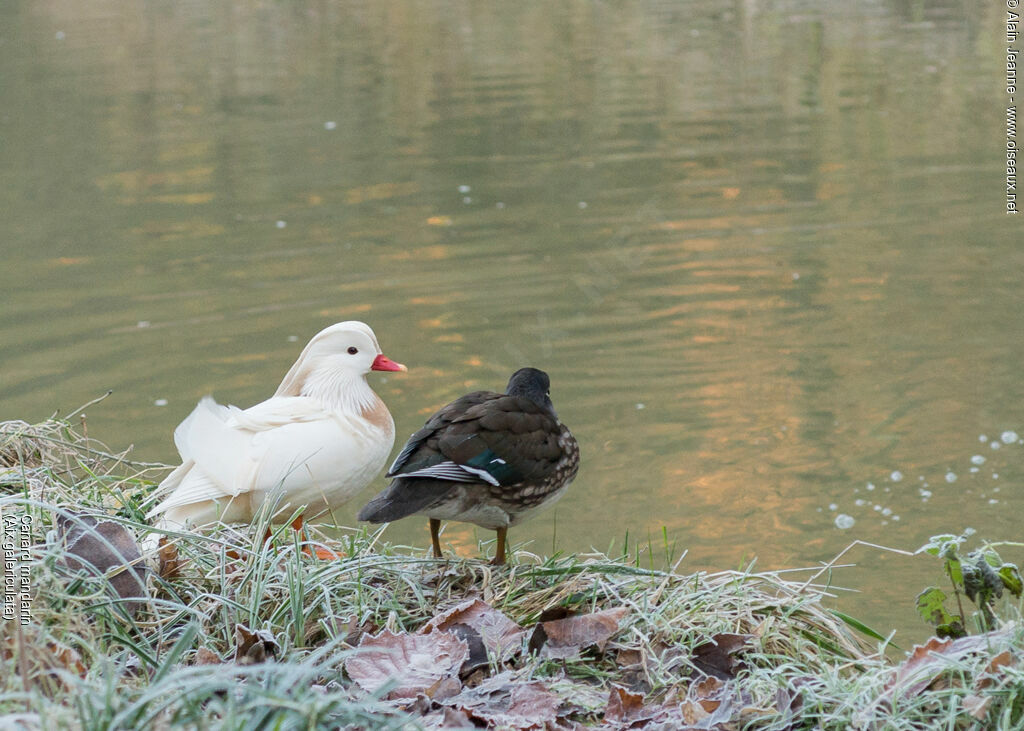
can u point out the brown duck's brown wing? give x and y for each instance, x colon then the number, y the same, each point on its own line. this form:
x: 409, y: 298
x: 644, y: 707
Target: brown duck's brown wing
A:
x: 503, y: 440
x: 421, y: 449
x: 490, y: 439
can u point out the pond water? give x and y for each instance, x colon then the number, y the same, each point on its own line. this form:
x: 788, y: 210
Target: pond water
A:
x: 759, y: 246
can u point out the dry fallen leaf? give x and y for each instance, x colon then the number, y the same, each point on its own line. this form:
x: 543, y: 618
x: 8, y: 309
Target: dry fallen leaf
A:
x: 565, y: 638
x: 994, y: 668
x: 206, y: 656
x: 169, y: 563
x: 977, y: 706
x: 508, y: 703
x: 109, y: 549
x: 413, y: 663
x: 626, y: 708
x: 254, y: 646
x: 497, y: 633
x: 717, y: 657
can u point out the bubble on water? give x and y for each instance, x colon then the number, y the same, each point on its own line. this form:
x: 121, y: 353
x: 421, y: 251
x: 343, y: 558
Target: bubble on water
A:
x: 281, y: 224
x: 293, y: 338
x: 896, y: 476
x: 330, y: 125
x: 1009, y: 436
x: 833, y: 507
x: 142, y: 324
x: 870, y: 486
x: 992, y: 501
x: 920, y: 478
x: 796, y: 276
x: 925, y: 493
x: 995, y: 489
x: 995, y: 445
x: 59, y: 35
x: 464, y: 189
x: 581, y: 205
x: 982, y: 438
x: 499, y: 205
x: 977, y: 459
x: 895, y: 517
x: 995, y: 475
x: 639, y: 407
x: 860, y: 503
x: 844, y: 521
x: 160, y: 402
x: 950, y: 476
x: 878, y: 508
x: 969, y: 532
x: 974, y: 469
x: 886, y: 511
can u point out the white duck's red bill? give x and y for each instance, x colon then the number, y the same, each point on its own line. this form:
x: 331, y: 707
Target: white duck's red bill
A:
x: 383, y: 363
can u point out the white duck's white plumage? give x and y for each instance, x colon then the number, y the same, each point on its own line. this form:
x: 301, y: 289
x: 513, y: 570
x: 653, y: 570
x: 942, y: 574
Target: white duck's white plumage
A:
x: 320, y: 439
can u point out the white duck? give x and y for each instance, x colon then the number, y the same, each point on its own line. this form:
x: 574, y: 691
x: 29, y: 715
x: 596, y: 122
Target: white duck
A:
x: 320, y: 439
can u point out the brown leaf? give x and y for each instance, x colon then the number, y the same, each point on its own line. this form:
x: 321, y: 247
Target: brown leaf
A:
x: 505, y: 702
x: 443, y: 689
x: 499, y: 634
x: 108, y: 549
x: 350, y: 629
x: 413, y: 663
x: 629, y: 656
x: 254, y: 646
x: 977, y: 706
x: 565, y: 638
x: 167, y: 557
x: 205, y: 656
x: 1003, y: 659
x: 447, y: 718
x: 625, y: 707
x: 717, y: 657
x: 67, y: 658
x: 921, y: 667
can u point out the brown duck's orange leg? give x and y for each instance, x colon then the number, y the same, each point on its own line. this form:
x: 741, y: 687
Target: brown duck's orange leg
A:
x: 499, y: 550
x: 435, y: 527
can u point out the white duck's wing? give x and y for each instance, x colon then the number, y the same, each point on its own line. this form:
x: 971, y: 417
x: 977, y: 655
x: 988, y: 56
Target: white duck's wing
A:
x: 223, y: 448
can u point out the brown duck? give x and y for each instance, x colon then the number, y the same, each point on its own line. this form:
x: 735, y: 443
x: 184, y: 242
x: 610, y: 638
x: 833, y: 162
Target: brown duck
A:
x: 487, y: 458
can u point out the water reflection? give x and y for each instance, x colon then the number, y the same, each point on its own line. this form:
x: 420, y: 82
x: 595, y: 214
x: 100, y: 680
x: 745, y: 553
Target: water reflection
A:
x: 757, y: 245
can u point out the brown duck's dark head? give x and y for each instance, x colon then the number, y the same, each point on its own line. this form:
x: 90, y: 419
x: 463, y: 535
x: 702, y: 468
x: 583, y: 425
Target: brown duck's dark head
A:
x: 533, y: 384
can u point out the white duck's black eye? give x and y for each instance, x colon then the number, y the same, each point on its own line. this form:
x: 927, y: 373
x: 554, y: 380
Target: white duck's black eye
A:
x: 353, y: 350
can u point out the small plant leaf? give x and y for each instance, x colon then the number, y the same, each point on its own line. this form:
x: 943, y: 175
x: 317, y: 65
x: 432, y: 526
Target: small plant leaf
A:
x: 1011, y: 578
x: 955, y: 571
x: 941, y: 545
x: 930, y: 607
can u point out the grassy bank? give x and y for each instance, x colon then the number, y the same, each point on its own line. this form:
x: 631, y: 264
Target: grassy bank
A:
x: 235, y: 635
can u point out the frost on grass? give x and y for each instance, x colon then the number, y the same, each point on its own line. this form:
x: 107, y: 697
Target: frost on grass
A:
x: 245, y: 635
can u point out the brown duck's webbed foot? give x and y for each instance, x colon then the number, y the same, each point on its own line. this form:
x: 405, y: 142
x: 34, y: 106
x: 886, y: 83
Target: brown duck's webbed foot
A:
x: 435, y: 527
x: 499, y: 550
